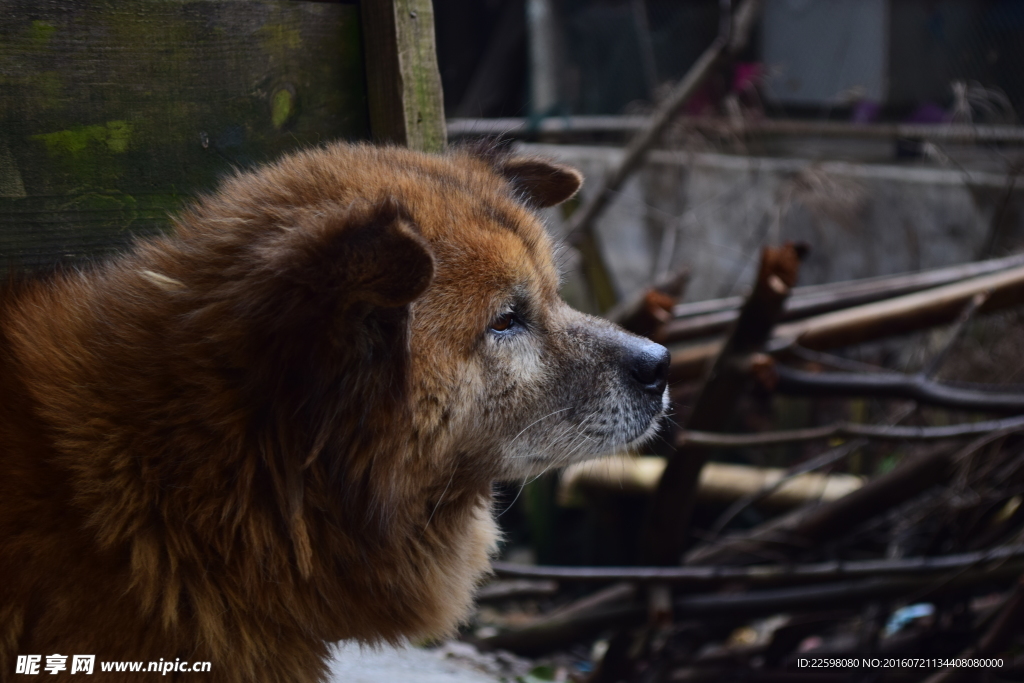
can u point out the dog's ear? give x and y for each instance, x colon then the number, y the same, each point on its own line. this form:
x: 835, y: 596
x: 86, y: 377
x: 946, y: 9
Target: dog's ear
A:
x: 361, y: 261
x: 544, y: 183
x: 365, y: 252
x: 389, y: 264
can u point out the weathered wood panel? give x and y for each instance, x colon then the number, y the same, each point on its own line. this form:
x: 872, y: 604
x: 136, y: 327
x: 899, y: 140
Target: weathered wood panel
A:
x: 406, y: 102
x: 114, y: 112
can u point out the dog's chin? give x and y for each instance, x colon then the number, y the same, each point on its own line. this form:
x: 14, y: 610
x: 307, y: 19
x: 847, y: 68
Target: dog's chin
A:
x: 535, y: 464
x: 652, y: 428
x: 645, y: 436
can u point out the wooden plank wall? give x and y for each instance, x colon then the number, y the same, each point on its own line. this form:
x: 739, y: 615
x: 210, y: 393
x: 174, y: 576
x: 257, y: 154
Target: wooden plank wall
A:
x: 406, y: 102
x: 113, y: 113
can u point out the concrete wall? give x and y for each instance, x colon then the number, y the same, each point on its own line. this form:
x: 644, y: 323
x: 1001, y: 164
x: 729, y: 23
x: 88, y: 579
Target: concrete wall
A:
x: 859, y: 219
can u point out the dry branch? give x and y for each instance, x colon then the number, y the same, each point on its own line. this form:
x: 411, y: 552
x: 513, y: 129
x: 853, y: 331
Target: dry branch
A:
x: 883, y: 287
x: 849, y: 429
x: 848, y: 448
x: 609, y: 596
x: 903, y: 314
x: 738, y: 606
x: 538, y: 639
x: 668, y: 521
x: 806, y: 528
x: 830, y: 596
x: 796, y: 472
x: 768, y: 575
x: 707, y: 318
x: 896, y: 385
x: 507, y: 590
x: 583, y: 220
x: 900, y: 315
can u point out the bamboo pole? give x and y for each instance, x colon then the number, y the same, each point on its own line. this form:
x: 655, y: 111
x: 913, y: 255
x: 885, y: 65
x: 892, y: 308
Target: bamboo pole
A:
x: 900, y: 315
x: 706, y: 318
x: 719, y: 482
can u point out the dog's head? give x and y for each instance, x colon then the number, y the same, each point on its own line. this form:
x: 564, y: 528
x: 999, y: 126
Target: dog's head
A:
x: 434, y: 277
x: 366, y: 338
x: 504, y: 371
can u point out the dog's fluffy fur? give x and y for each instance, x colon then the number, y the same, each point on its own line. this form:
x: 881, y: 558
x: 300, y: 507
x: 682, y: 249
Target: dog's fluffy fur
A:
x: 277, y: 427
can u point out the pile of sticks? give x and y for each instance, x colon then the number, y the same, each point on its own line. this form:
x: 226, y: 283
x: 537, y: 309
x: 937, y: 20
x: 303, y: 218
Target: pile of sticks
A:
x: 943, y: 530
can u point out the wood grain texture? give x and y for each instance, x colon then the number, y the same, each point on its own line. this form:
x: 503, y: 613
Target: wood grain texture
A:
x: 111, y: 114
x: 404, y: 84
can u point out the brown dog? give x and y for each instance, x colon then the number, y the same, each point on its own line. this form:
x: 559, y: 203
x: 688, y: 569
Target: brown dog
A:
x: 278, y: 426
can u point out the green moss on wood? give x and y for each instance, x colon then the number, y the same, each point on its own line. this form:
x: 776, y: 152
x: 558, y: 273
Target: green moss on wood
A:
x: 282, y: 105
x: 114, y: 136
x: 40, y: 33
x: 105, y: 107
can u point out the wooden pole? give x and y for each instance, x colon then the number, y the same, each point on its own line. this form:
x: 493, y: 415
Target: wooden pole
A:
x: 949, y: 133
x: 664, y: 535
x: 403, y: 81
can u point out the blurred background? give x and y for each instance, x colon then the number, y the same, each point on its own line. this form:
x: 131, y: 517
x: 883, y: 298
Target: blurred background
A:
x: 816, y: 205
x: 815, y: 83
x: 876, y: 144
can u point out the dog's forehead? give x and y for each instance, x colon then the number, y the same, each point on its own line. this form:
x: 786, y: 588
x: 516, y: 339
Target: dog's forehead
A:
x: 505, y: 253
x: 483, y: 224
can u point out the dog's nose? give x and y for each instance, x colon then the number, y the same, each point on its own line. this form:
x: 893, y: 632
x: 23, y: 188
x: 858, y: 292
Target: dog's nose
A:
x: 648, y: 365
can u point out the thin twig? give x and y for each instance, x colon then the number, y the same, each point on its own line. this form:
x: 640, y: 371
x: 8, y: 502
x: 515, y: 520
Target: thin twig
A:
x: 759, y: 575
x: 831, y: 360
x: 933, y: 367
x: 916, y: 387
x: 849, y: 429
x: 829, y: 457
x: 583, y: 220
x: 809, y: 527
x: 739, y: 606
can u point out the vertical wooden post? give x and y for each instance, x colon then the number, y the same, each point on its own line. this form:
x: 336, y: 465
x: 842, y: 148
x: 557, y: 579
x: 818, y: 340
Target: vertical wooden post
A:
x: 543, y: 50
x: 668, y: 522
x: 403, y: 81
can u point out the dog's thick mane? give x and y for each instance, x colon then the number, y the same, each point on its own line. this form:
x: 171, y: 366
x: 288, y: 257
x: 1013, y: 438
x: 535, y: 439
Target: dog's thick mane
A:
x: 318, y: 406
x: 226, y: 432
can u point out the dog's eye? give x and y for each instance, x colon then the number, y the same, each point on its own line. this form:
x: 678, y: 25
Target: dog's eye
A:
x: 503, y: 322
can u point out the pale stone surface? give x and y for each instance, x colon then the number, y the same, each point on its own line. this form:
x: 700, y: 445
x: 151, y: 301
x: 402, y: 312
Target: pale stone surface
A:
x: 860, y: 219
x: 355, y: 664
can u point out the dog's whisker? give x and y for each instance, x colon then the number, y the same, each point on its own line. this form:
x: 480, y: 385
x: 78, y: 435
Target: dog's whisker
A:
x: 439, y: 499
x: 539, y: 419
x: 509, y: 506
